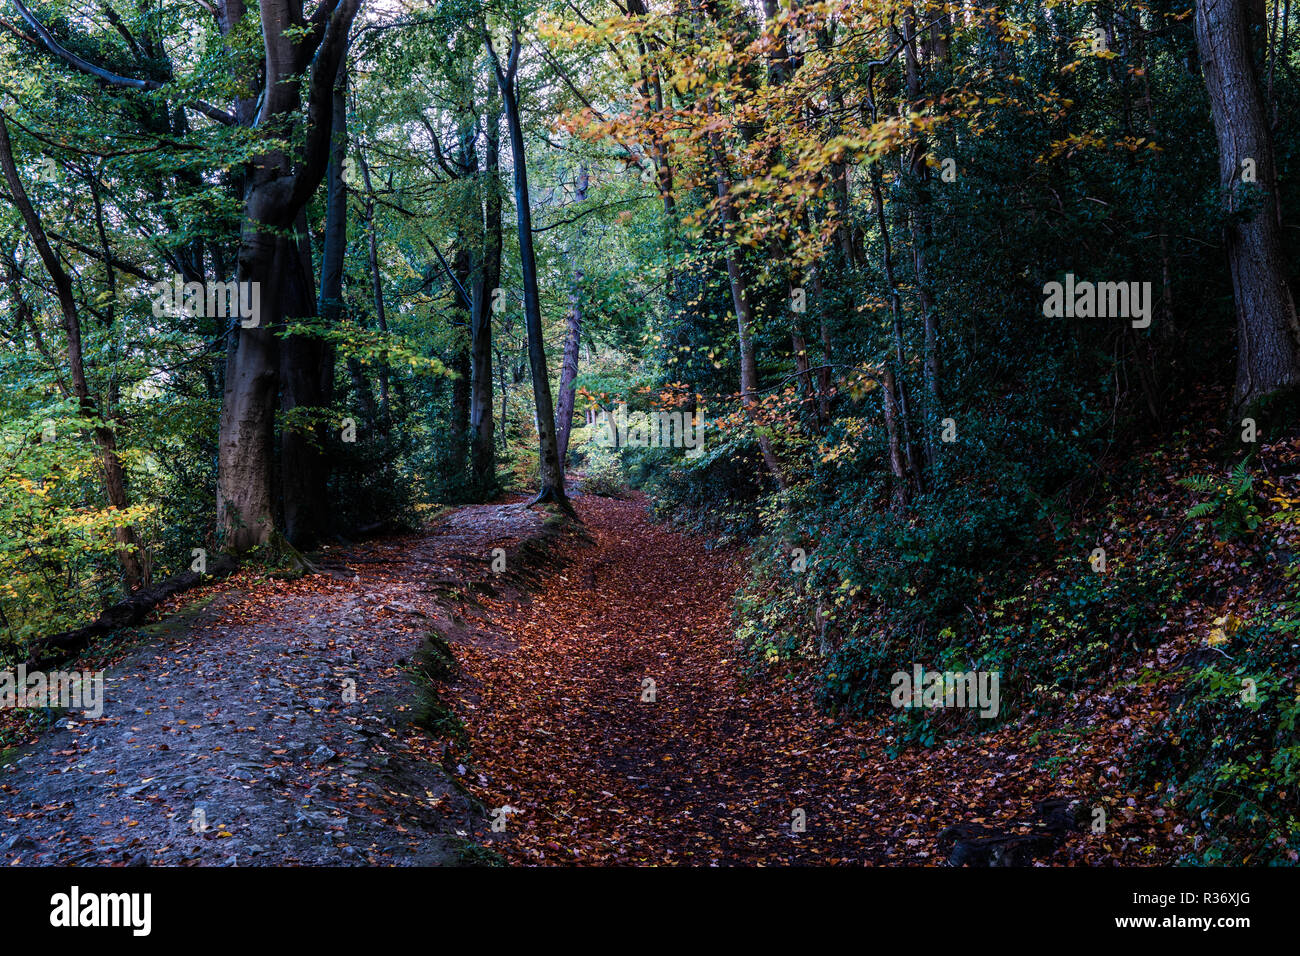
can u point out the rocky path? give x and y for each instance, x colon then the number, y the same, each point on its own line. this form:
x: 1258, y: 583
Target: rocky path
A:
x: 268, y: 722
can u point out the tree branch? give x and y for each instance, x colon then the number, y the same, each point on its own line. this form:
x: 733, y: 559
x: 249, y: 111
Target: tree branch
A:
x: 43, y: 38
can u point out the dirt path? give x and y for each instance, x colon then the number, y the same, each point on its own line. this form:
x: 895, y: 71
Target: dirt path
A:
x: 233, y: 714
x: 228, y: 737
x: 715, y: 768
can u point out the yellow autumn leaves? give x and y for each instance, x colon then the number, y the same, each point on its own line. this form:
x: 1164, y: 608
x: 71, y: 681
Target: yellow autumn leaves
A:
x: 1224, y: 628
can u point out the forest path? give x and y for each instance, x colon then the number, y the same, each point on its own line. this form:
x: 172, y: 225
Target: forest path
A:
x: 713, y: 770
x: 227, y: 738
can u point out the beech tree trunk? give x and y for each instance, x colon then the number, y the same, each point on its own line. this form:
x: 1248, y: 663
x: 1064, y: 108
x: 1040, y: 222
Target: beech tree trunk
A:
x: 331, y: 305
x: 1229, y: 34
x: 377, y: 296
x: 482, y: 450
x: 462, y: 266
x: 572, y: 337
x: 306, y: 383
x: 551, y: 473
x: 334, y: 248
x: 276, y: 191
x: 245, y: 506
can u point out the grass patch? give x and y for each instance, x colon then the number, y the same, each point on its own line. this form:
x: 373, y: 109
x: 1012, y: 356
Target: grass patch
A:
x: 472, y: 854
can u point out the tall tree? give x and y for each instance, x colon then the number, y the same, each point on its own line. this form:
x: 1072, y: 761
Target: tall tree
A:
x: 549, y: 467
x: 1230, y: 35
x: 487, y: 277
x: 273, y: 254
x: 572, y: 332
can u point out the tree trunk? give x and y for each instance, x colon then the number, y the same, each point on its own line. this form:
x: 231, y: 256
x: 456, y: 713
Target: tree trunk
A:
x: 828, y: 352
x: 334, y: 248
x: 551, y: 474
x: 377, y: 294
x: 573, y: 335
x: 920, y: 217
x: 902, y: 487
x: 105, y: 438
x: 1228, y: 33
x: 336, y: 241
x: 501, y: 371
x: 245, y: 512
x: 898, y: 389
x: 462, y: 266
x: 277, y: 189
x: 482, y: 451
x: 744, y: 316
x: 306, y: 383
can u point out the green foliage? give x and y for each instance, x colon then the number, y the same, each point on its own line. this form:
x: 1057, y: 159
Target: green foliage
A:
x: 57, y: 553
x: 716, y: 493
x: 963, y: 565
x: 880, y: 594
x: 604, y: 475
x: 1229, y: 754
x: 1231, y: 503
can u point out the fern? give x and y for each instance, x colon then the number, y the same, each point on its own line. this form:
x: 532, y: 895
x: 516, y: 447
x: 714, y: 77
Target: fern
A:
x: 1231, y: 503
x: 1241, y: 477
x: 1201, y: 484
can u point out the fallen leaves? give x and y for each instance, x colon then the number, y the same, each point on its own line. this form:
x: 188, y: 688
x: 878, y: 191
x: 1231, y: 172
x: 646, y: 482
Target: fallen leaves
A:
x: 712, y: 771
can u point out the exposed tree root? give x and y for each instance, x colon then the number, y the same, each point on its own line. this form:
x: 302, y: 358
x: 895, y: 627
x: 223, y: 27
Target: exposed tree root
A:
x: 553, y: 495
x: 285, y: 558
